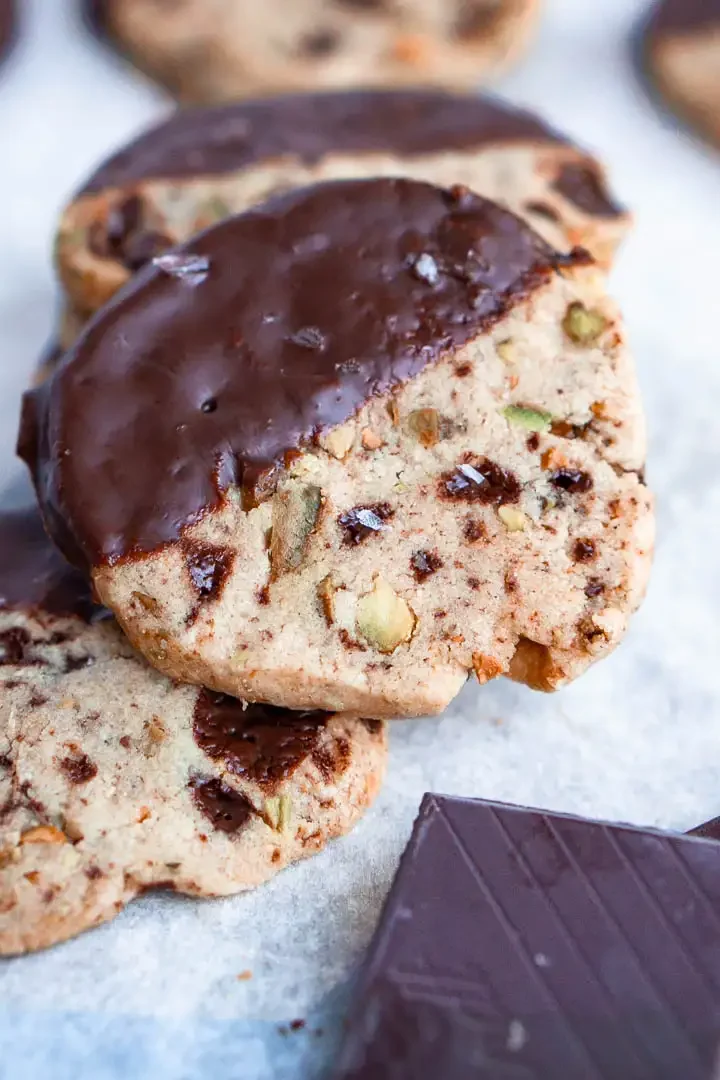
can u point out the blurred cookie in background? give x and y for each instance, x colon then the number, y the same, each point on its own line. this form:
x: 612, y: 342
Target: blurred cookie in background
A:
x: 681, y: 54
x: 207, y: 51
x: 203, y: 165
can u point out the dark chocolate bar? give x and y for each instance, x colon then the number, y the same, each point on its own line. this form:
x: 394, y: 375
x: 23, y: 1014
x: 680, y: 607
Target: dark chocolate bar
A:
x: 518, y: 944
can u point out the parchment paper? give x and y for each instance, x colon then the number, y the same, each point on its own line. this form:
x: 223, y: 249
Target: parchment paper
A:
x: 156, y: 994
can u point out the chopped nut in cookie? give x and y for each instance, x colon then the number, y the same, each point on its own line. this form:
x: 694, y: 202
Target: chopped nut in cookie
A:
x: 295, y: 514
x: 486, y: 668
x: 530, y: 419
x: 384, y: 619
x: 584, y: 326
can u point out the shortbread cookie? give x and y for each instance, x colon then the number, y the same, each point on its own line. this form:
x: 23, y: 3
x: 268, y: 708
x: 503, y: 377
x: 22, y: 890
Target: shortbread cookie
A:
x: 8, y: 26
x: 682, y: 54
x: 205, y: 165
x: 351, y: 445
x: 219, y: 50
x: 114, y: 780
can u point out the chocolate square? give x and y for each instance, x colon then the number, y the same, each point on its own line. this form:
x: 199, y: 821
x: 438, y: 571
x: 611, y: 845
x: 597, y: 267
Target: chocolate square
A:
x: 518, y: 944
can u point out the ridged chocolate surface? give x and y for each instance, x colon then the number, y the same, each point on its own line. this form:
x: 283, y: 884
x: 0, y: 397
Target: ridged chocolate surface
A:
x: 528, y: 945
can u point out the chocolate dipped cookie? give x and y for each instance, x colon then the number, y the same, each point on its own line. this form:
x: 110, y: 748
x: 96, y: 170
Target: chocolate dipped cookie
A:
x: 350, y: 446
x: 681, y: 52
x: 204, y: 165
x: 114, y: 780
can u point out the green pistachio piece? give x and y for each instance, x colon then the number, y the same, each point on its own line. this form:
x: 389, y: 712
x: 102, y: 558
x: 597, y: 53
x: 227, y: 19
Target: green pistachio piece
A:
x: 530, y: 419
x: 584, y: 325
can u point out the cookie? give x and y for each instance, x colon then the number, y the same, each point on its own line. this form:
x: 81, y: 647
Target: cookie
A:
x: 681, y: 51
x: 114, y: 780
x: 349, y: 446
x: 8, y: 26
x: 201, y: 166
x: 208, y: 51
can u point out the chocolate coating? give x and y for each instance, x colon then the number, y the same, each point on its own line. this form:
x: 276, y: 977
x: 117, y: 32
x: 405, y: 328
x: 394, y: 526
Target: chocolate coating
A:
x: 34, y: 575
x: 8, y: 25
x: 684, y: 15
x: 198, y: 142
x: 94, y: 15
x: 583, y: 186
x: 522, y: 944
x: 306, y: 308
x: 260, y: 742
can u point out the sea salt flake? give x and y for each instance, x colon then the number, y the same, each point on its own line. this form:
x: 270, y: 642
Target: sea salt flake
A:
x: 190, y: 268
x: 472, y: 473
x: 426, y: 269
x: 370, y: 520
x: 309, y: 337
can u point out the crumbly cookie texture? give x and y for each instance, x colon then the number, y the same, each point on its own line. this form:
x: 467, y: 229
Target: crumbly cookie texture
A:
x: 114, y: 780
x: 682, y: 55
x: 207, y: 51
x: 200, y: 167
x: 479, y: 509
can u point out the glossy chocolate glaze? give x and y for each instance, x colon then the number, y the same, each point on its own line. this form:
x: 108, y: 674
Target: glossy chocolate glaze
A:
x: 263, y: 743
x: 189, y: 383
x: 684, y: 16
x: 33, y: 574
x: 307, y: 127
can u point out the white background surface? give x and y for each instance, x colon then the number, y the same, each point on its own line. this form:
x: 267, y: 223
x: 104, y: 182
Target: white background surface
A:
x: 155, y: 993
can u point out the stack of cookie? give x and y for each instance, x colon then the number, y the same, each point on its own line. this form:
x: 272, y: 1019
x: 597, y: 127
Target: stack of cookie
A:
x: 331, y: 432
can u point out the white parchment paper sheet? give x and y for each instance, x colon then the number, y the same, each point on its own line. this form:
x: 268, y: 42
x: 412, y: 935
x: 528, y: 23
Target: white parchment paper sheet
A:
x: 156, y: 993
